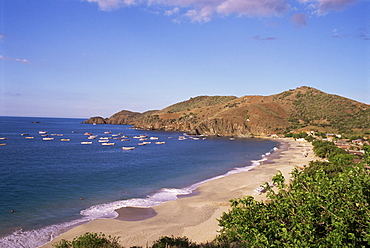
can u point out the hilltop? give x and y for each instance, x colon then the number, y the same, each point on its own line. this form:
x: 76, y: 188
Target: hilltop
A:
x: 299, y: 109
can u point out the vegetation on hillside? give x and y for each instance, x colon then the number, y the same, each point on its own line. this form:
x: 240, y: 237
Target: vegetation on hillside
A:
x: 198, y: 102
x: 317, y: 108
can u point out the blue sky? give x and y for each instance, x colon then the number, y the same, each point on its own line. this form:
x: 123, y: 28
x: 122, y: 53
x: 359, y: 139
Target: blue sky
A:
x: 82, y: 58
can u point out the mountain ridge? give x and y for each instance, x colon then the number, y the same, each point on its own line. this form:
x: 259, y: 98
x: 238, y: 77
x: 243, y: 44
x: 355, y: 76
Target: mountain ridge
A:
x: 247, y: 116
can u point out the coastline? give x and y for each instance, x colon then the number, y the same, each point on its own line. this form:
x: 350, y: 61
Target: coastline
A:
x: 195, y: 216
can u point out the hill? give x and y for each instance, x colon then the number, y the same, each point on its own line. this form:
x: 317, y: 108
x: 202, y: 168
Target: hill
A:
x: 300, y: 109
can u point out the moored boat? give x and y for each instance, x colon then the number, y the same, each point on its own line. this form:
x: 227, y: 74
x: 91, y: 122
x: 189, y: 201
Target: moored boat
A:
x: 86, y: 142
x: 47, y: 138
x: 107, y: 144
x: 128, y: 148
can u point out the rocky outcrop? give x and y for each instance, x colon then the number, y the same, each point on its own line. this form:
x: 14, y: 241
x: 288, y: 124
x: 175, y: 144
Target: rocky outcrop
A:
x: 96, y: 120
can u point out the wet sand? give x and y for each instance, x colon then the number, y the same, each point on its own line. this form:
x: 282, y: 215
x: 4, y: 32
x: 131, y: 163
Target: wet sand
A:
x: 196, y: 216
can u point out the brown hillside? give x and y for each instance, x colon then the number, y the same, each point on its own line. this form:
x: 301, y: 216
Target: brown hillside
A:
x: 255, y: 115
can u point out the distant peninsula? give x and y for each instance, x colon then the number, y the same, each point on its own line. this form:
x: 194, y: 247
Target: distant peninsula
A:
x: 301, y: 109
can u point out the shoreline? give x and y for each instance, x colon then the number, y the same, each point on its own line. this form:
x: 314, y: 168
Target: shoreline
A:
x: 195, y: 215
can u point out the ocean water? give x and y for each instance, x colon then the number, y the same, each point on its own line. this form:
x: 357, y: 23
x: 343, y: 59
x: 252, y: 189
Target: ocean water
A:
x: 49, y: 186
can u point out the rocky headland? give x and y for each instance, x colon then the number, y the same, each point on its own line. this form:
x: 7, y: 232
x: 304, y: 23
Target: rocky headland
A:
x: 299, y: 109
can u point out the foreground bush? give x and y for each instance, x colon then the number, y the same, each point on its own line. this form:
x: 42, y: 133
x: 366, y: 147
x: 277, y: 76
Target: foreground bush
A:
x: 316, y: 210
x: 90, y: 240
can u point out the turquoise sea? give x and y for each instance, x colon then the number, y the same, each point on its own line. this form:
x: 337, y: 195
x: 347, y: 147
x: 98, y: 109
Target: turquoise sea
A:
x: 49, y: 186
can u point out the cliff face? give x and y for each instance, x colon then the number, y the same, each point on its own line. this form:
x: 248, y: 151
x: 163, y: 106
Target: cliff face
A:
x: 248, y: 116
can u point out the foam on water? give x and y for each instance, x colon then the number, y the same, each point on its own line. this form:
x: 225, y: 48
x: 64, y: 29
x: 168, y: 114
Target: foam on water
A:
x: 40, y: 237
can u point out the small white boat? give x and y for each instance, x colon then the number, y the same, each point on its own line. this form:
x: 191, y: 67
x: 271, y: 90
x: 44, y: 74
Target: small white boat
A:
x: 3, y: 138
x: 160, y: 142
x: 141, y: 144
x: 64, y: 139
x: 86, y: 142
x: 107, y: 132
x: 147, y: 142
x: 103, y: 140
x: 88, y: 134
x: 24, y: 134
x: 107, y: 144
x: 2, y: 144
x: 125, y: 139
x: 153, y: 138
x: 47, y: 138
x: 42, y: 132
x: 92, y: 137
x: 128, y: 148
x: 29, y: 137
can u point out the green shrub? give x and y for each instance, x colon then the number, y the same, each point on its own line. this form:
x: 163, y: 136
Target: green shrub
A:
x: 316, y: 210
x: 90, y: 240
x: 171, y: 242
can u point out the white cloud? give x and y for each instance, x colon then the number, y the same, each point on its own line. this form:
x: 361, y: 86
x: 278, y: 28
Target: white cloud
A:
x: 204, y: 10
x: 253, y: 8
x: 108, y: 5
x: 25, y: 61
x: 321, y: 7
x: 172, y: 11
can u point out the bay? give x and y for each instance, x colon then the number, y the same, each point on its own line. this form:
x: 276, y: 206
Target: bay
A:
x: 49, y: 186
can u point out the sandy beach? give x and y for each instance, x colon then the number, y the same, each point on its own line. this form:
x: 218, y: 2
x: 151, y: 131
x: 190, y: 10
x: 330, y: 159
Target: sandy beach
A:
x: 196, y: 216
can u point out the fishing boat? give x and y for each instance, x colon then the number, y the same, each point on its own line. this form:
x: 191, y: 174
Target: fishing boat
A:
x: 128, y: 148
x: 160, y: 142
x: 107, y: 144
x: 29, y: 137
x: 47, y: 138
x: 86, y: 142
x: 64, y: 139
x: 42, y: 132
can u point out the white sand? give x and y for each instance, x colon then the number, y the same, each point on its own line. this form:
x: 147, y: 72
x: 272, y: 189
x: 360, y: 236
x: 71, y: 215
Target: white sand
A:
x: 196, y: 216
